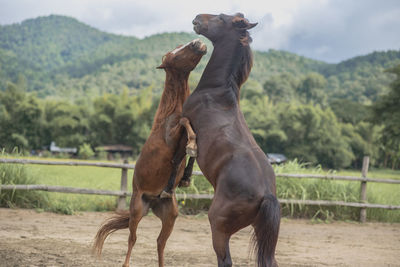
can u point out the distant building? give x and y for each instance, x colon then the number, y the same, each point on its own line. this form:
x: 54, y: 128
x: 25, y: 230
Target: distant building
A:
x: 112, y: 150
x: 54, y: 149
x: 275, y: 158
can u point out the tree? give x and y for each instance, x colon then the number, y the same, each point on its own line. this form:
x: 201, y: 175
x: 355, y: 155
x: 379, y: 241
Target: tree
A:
x: 386, y: 112
x: 263, y: 120
x: 122, y: 119
x: 65, y: 123
x: 348, y: 111
x: 314, y: 135
x: 281, y: 88
x: 251, y: 89
x: 20, y: 119
x: 362, y: 139
x: 311, y: 88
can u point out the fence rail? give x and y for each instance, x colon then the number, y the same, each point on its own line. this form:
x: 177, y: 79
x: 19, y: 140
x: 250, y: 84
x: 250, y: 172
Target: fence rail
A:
x: 197, y: 173
x: 74, y: 190
x: 65, y: 189
x: 69, y: 163
x: 333, y: 177
x: 123, y: 193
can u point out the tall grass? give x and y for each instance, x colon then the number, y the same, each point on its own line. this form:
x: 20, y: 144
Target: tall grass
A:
x: 313, y: 189
x: 198, y: 185
x: 14, y: 174
x: 317, y: 189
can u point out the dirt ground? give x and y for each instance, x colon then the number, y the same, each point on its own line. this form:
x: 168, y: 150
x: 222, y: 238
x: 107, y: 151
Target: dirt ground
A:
x: 28, y: 238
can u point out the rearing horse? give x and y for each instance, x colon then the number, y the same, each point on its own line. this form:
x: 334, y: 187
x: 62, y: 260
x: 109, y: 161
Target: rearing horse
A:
x: 228, y: 155
x: 156, y: 161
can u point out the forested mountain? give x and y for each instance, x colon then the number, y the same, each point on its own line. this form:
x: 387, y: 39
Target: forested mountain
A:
x: 63, y: 81
x: 60, y: 56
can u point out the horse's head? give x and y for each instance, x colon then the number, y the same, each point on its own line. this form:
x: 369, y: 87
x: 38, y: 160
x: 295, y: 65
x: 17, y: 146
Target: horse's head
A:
x: 215, y: 27
x: 184, y: 58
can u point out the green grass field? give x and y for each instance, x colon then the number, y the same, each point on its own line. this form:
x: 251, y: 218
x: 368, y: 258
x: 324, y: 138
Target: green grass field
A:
x: 82, y: 177
x: 382, y: 193
x: 109, y: 179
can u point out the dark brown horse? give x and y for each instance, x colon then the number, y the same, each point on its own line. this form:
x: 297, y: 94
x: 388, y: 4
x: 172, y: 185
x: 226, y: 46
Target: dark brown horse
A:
x: 228, y: 155
x: 155, y: 164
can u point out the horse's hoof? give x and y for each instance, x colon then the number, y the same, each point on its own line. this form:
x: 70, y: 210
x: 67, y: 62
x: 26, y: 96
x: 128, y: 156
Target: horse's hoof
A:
x: 191, y: 152
x: 165, y: 194
x: 184, y: 183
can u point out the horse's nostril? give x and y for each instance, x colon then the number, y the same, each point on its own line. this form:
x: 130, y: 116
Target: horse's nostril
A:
x: 195, y: 22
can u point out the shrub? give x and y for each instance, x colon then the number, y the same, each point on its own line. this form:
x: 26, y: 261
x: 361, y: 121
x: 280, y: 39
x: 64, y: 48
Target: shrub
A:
x: 85, y: 151
x: 17, y: 174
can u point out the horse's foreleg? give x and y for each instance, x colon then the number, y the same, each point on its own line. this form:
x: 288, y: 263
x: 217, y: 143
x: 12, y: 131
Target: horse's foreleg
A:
x: 191, y: 150
x: 185, y: 181
x: 176, y: 163
x: 191, y: 147
x: 167, y: 211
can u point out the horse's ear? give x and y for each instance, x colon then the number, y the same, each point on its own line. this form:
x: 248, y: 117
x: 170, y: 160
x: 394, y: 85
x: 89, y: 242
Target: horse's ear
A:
x: 252, y: 25
x: 242, y: 23
x: 162, y: 66
x: 239, y: 15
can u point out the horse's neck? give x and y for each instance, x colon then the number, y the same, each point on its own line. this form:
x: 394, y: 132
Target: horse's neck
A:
x: 223, y: 63
x: 176, y: 90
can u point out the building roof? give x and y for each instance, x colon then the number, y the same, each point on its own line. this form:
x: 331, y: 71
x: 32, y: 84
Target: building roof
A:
x: 54, y: 148
x: 115, y: 148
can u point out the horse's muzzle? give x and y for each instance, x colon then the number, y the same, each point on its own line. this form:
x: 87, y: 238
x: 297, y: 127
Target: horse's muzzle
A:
x: 199, y: 47
x: 196, y: 25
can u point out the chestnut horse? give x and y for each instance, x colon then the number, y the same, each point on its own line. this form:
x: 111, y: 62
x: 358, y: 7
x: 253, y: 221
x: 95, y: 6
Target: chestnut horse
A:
x: 228, y: 155
x: 155, y: 163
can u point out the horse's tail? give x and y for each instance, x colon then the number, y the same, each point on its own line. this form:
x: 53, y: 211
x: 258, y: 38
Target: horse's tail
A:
x: 266, y: 229
x: 119, y: 221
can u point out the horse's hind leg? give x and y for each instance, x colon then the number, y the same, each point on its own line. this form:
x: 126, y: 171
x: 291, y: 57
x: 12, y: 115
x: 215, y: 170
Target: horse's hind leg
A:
x: 221, y: 247
x: 220, y: 236
x: 167, y: 211
x: 138, y: 208
x: 191, y: 147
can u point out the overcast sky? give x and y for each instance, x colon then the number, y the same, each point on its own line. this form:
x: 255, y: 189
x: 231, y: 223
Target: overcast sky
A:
x: 328, y: 30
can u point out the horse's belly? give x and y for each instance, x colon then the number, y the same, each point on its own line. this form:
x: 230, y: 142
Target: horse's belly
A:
x: 156, y: 179
x: 154, y: 167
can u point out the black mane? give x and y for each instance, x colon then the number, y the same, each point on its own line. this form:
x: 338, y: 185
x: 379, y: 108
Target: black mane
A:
x: 244, y: 64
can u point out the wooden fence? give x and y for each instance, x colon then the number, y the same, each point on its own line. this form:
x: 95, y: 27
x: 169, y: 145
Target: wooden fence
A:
x: 122, y: 194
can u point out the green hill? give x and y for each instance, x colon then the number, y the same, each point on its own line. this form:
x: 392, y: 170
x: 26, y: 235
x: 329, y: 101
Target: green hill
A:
x: 361, y: 79
x: 59, y: 56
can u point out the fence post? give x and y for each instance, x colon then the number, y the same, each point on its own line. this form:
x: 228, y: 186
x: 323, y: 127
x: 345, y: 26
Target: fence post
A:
x: 363, y: 191
x: 124, y: 187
